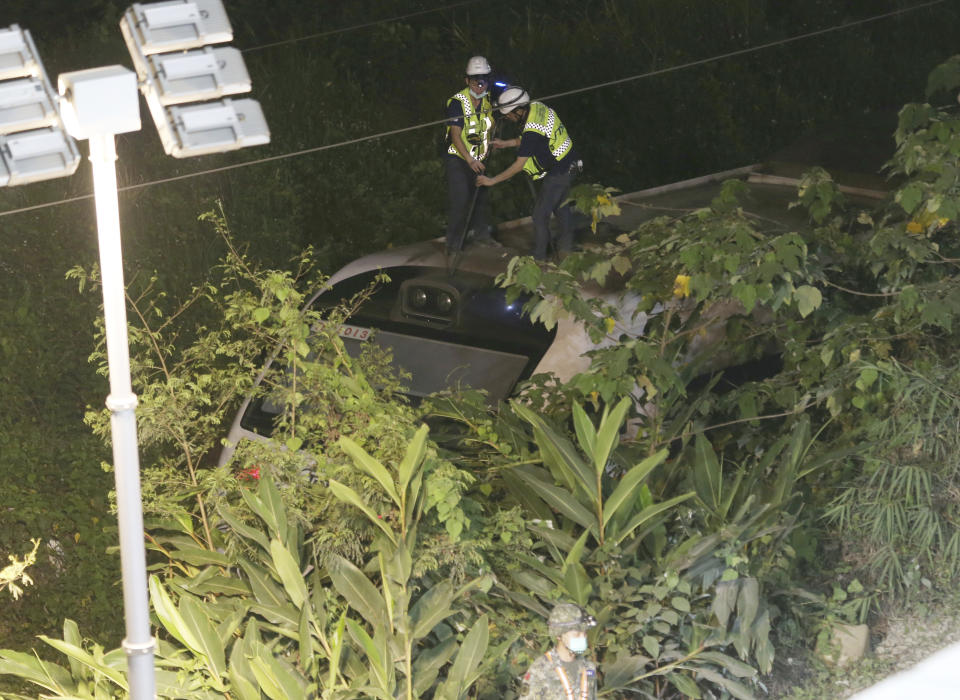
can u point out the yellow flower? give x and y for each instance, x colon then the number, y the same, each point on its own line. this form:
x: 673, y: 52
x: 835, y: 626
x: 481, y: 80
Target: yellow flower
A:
x: 610, y: 324
x: 681, y: 286
x: 915, y: 227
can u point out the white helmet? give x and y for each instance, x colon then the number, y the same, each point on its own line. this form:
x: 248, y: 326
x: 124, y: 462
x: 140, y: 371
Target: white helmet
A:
x: 511, y: 98
x: 478, y: 66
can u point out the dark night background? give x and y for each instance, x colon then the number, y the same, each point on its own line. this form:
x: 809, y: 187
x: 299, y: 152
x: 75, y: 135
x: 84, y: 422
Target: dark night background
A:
x: 345, y: 201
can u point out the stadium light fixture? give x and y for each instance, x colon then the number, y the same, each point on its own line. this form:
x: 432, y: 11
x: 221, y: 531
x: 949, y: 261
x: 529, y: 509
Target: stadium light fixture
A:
x: 185, y: 80
x: 33, y: 144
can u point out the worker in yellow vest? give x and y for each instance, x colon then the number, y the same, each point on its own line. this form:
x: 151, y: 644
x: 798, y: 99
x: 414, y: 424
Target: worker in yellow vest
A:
x: 469, y: 128
x: 564, y: 672
x: 544, y: 152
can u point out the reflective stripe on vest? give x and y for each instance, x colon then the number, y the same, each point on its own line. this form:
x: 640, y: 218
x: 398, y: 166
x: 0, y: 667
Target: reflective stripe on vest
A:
x: 565, y: 682
x: 544, y: 120
x: 477, y: 125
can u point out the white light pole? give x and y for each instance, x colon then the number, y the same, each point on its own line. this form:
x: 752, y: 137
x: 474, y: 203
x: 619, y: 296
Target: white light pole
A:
x: 96, y: 105
x: 185, y: 83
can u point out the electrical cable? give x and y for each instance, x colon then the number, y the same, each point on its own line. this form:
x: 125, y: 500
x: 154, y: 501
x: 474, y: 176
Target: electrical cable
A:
x: 741, y: 52
x: 365, y: 25
x: 393, y: 132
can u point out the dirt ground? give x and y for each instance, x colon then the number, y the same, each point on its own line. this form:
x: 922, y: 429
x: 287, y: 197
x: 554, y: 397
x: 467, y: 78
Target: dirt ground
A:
x: 899, y: 640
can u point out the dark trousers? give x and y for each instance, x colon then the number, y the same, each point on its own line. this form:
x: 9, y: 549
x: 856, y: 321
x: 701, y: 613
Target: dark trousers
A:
x: 461, y: 187
x: 554, y: 190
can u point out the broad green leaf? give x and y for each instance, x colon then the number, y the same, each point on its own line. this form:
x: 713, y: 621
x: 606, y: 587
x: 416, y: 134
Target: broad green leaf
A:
x: 348, y: 495
x: 647, y: 514
x: 356, y: 589
x: 170, y: 617
x: 85, y: 658
x: 790, y: 464
x: 43, y: 673
x: 71, y: 635
x: 559, y: 539
x: 211, y: 647
x: 279, y: 680
x: 240, y: 672
x: 428, y: 663
x: 256, y: 504
x: 224, y: 585
x: 559, y: 454
x: 534, y: 583
x: 623, y: 672
x: 651, y: 645
x: 228, y: 626
x: 286, y: 566
x: 733, y: 665
x: 577, y: 583
x: 586, y: 433
x: 412, y: 458
x: 198, y: 556
x: 305, y: 642
x: 576, y: 552
x: 628, y: 483
x: 558, y: 498
x: 494, y: 657
x: 910, y: 196
x: 169, y: 684
x: 388, y: 598
x: 737, y: 690
x: 431, y: 608
x: 707, y: 473
x: 461, y: 675
x: 725, y: 600
x: 808, y: 299
x: 375, y: 660
x: 748, y: 602
x: 336, y: 650
x: 273, y: 502
x: 284, y: 615
x: 265, y: 590
x: 371, y: 466
x: 608, y: 434
x: 243, y: 529
x: 686, y: 685
x: 241, y: 686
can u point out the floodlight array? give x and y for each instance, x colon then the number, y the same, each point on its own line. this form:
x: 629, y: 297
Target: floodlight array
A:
x: 33, y: 143
x: 187, y: 83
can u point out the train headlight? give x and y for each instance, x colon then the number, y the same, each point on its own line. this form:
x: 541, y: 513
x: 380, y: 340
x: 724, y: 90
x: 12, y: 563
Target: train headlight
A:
x: 435, y: 300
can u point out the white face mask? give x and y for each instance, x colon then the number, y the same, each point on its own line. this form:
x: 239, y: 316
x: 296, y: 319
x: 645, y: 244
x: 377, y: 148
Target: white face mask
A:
x: 478, y: 95
x: 577, y: 644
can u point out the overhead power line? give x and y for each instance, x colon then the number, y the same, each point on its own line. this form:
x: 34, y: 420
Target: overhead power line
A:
x: 437, y: 122
x: 364, y: 25
x: 741, y: 52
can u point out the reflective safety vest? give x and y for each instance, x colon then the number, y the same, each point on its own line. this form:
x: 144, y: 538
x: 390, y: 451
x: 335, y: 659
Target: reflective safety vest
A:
x: 477, y: 125
x: 544, y: 120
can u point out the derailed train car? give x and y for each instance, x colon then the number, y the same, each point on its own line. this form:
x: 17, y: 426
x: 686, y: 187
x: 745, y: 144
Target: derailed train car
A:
x: 448, y: 324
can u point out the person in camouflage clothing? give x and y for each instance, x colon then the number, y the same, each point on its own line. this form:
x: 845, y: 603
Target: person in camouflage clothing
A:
x: 563, y: 673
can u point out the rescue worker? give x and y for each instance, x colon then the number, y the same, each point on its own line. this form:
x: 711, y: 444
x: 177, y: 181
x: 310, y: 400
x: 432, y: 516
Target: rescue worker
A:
x: 563, y: 673
x: 545, y: 152
x: 469, y: 126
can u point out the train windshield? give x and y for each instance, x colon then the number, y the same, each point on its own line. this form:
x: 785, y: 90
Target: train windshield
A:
x: 443, y: 331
